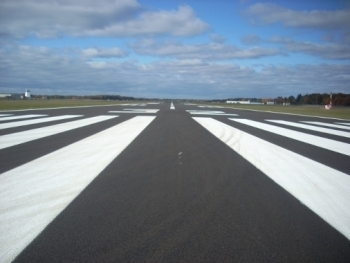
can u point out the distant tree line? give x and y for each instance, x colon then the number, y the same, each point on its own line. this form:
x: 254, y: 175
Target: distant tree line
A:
x: 338, y: 99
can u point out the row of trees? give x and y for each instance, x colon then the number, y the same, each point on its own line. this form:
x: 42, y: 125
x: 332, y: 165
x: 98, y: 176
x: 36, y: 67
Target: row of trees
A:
x: 338, y: 99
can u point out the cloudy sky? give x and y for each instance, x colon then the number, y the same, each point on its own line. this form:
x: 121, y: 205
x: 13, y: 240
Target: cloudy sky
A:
x: 200, y: 49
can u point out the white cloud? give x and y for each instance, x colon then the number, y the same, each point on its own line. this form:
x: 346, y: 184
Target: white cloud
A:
x: 54, y: 18
x: 251, y: 40
x: 104, y: 52
x: 217, y: 38
x: 46, y: 71
x: 208, y: 51
x: 268, y: 13
x: 181, y: 22
x: 51, y: 18
x: 326, y: 51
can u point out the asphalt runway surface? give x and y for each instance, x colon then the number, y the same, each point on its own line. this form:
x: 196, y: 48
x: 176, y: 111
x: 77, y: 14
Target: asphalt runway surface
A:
x: 155, y: 183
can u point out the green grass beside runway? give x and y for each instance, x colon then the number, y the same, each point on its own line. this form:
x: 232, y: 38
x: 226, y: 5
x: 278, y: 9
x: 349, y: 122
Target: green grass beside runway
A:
x: 335, y: 112
x: 320, y: 111
x: 38, y: 104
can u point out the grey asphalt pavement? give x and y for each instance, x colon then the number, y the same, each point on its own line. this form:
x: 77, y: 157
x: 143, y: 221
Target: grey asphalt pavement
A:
x: 179, y: 194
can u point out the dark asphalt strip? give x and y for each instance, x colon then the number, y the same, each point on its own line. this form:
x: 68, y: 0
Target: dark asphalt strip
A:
x: 207, y: 204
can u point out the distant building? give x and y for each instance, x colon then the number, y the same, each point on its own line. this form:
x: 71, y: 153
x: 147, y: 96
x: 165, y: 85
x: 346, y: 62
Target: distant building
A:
x: 27, y: 94
x: 5, y: 95
x: 16, y: 96
x: 238, y: 102
x: 244, y: 102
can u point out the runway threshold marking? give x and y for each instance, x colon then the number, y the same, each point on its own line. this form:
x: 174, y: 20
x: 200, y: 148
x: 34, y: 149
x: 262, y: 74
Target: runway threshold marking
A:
x: 22, y: 117
x: 322, y: 189
x: 4, y: 115
x: 136, y: 111
x: 128, y: 104
x: 206, y: 112
x: 328, y: 125
x: 33, y: 194
x: 328, y: 144
x: 36, y: 121
x: 219, y: 107
x: 34, y: 134
x: 313, y: 128
x: 344, y: 123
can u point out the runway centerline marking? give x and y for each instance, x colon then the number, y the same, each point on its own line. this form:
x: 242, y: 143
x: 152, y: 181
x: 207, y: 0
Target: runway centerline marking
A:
x: 313, y: 128
x: 33, y: 194
x: 172, y: 107
x: 34, y: 134
x: 36, y: 121
x: 322, y: 189
x: 22, y: 117
x: 328, y: 144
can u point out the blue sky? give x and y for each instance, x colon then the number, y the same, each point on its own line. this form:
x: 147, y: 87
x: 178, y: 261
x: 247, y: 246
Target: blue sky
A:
x: 199, y: 49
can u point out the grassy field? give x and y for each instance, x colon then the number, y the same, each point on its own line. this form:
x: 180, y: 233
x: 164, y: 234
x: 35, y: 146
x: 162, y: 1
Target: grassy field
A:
x: 335, y: 112
x: 37, y: 104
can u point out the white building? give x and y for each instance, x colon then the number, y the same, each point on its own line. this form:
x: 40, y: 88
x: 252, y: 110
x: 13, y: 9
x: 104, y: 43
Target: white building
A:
x: 238, y: 102
x: 27, y: 94
x: 5, y: 95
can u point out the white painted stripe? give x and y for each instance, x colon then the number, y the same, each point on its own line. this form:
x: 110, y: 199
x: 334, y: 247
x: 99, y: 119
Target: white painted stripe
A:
x: 136, y: 111
x: 328, y: 125
x: 22, y: 117
x: 268, y: 111
x: 339, y: 147
x: 203, y: 112
x: 215, y: 114
x: 4, y: 115
x: 207, y: 106
x: 33, y: 194
x: 344, y: 123
x: 313, y: 128
x: 58, y: 108
x: 36, y: 121
x: 172, y: 107
x: 322, y: 189
x: 143, y: 110
x: 30, y: 135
